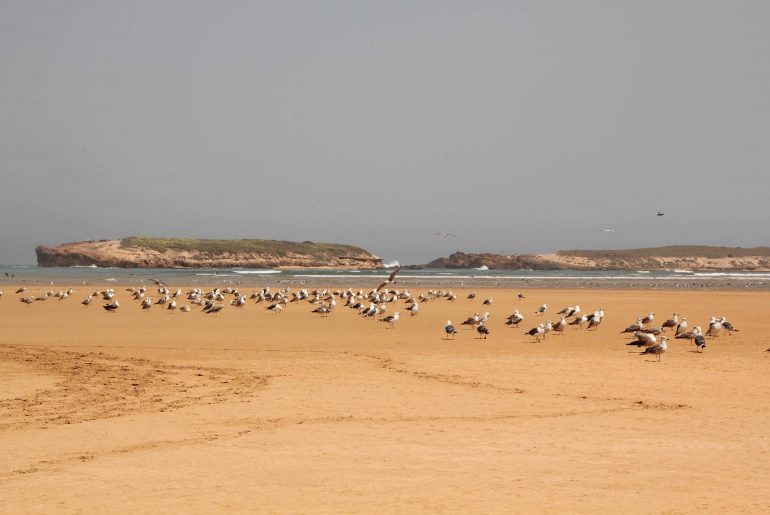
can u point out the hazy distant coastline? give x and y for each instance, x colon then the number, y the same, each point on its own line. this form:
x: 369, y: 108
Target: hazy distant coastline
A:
x: 681, y: 257
x: 143, y: 252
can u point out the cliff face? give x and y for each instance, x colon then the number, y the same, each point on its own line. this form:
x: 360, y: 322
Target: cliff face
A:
x: 175, y: 253
x: 665, y: 258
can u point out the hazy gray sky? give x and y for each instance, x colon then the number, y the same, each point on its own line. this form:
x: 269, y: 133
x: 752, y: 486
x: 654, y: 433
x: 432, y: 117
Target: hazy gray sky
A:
x: 519, y: 126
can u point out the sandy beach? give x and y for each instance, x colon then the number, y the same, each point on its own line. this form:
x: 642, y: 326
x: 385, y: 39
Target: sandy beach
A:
x: 251, y: 411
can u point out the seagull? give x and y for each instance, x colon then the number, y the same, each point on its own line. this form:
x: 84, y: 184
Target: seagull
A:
x: 638, y: 326
x: 566, y: 310
x: 730, y: 328
x: 185, y: 309
x: 579, y: 321
x: 413, y: 309
x: 472, y: 295
x: 714, y: 327
x: 112, y: 307
x: 607, y: 230
x: 660, y: 213
x: 594, y: 322
x: 671, y: 322
x: 696, y: 331
x: 275, y: 308
x: 541, y: 310
x: 445, y: 235
x: 649, y: 318
x: 681, y: 327
x: 391, y: 279
x: 653, y: 330
x: 489, y: 301
x: 449, y: 329
x: 391, y: 319
x: 658, y: 349
x: 645, y: 339
x: 146, y: 303
x: 537, y: 332
x: 87, y: 301
x: 521, y: 296
x: 560, y: 325
x: 172, y: 305
x: 482, y: 329
x: 214, y: 308
x: 21, y: 290
x: 700, y: 343
x: 472, y: 320
x: 515, y: 319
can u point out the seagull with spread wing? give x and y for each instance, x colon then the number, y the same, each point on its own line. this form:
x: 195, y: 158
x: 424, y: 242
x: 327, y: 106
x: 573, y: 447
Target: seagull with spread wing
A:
x: 391, y: 279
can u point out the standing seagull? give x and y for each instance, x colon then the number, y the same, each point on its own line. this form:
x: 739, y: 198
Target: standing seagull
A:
x: 482, y: 330
x: 730, y: 328
x: 449, y: 329
x: 594, y: 323
x: 682, y: 327
x: 671, y: 322
x: 515, y: 319
x: 112, y: 307
x: 700, y: 342
x: 537, y: 332
x: 489, y: 301
x: 542, y: 309
x: 391, y: 319
x: 658, y: 349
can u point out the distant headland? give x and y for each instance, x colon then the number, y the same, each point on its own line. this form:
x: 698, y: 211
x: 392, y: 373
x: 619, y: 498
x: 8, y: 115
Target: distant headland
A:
x: 144, y: 252
x: 676, y: 257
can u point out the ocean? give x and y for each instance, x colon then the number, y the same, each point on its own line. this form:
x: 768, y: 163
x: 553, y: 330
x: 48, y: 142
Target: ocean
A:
x: 208, y: 277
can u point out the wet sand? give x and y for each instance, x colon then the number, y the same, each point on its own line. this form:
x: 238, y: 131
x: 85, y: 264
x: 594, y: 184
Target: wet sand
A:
x: 250, y: 411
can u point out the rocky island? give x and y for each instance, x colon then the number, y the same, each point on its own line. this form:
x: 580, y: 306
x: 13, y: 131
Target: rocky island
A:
x: 677, y: 257
x: 143, y: 252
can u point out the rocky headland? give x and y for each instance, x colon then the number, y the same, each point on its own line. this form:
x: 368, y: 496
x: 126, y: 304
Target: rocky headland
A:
x: 140, y: 252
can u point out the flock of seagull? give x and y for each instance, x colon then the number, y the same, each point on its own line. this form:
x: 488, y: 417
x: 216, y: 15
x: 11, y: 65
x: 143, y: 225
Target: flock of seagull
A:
x: 374, y: 305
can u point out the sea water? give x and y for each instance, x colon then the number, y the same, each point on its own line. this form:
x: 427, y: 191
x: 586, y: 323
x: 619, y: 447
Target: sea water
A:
x: 32, y: 274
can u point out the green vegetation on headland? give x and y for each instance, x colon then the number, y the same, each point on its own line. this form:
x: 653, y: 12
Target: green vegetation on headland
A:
x: 276, y: 247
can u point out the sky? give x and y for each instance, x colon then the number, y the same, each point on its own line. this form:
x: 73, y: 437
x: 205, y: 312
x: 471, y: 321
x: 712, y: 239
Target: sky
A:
x: 518, y: 126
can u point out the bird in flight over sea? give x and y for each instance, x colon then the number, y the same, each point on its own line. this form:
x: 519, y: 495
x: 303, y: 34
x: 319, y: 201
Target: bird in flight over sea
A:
x: 661, y: 213
x: 445, y: 235
x: 391, y: 279
x: 607, y: 230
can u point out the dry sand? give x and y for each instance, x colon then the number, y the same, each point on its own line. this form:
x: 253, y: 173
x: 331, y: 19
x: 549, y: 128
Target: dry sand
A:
x: 250, y: 411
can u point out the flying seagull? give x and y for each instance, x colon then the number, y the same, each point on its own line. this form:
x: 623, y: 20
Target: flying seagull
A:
x: 445, y: 235
x: 660, y: 213
x: 391, y: 279
x: 607, y: 230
